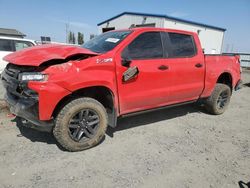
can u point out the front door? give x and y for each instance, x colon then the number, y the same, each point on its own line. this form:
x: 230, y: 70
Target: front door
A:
x: 149, y: 88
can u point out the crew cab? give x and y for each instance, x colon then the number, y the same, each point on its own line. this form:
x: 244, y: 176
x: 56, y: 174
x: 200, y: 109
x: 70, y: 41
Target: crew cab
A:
x: 9, y: 45
x: 76, y: 92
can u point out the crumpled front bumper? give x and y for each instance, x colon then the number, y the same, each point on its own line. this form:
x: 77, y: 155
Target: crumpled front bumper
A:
x: 23, y: 106
x: 28, y: 110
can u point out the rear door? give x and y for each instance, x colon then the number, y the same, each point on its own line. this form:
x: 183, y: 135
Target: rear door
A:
x: 186, y: 72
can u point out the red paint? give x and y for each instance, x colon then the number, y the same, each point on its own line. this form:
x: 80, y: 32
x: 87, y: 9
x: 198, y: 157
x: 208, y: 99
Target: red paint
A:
x: 150, y: 89
x: 37, y: 55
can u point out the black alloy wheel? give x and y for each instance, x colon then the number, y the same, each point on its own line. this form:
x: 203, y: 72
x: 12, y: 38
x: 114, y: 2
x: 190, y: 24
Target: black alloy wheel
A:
x: 222, y: 99
x: 83, y: 125
x: 219, y: 100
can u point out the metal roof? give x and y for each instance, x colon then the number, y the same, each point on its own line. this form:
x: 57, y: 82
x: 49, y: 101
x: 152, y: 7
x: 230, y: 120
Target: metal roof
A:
x: 163, y: 16
x: 13, y: 32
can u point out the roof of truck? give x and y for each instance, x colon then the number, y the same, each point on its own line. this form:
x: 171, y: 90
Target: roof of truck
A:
x: 156, y: 29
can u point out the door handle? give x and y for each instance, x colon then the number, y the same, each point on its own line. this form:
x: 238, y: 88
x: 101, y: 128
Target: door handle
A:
x: 163, y: 67
x: 199, y: 65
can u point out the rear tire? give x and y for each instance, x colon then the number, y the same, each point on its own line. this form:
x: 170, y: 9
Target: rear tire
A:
x: 81, y: 124
x: 219, y: 100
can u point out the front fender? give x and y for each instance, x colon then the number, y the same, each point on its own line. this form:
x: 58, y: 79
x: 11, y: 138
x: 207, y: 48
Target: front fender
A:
x: 50, y: 95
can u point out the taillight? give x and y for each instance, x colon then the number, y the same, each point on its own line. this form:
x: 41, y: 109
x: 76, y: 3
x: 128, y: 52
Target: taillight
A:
x: 237, y: 59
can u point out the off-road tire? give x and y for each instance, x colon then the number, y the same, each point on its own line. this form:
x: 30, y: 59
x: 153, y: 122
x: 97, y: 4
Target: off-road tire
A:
x: 61, y: 131
x: 211, y: 102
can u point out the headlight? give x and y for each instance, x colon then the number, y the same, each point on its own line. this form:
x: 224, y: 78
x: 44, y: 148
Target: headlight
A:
x: 33, y: 76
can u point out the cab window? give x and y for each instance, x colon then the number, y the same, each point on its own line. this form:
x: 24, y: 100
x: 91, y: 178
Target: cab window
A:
x: 182, y: 45
x: 146, y: 46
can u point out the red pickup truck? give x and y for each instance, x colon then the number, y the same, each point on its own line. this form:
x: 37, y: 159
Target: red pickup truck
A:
x: 76, y: 92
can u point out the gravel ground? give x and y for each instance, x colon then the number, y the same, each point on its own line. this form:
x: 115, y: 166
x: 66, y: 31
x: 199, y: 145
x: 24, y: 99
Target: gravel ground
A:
x: 1, y: 91
x: 178, y: 147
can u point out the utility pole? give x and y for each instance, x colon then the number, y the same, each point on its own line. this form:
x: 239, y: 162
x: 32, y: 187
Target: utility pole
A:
x: 67, y: 32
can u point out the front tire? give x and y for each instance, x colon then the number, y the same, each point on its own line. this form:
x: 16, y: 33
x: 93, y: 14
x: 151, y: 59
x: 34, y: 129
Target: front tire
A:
x: 81, y: 124
x: 219, y: 100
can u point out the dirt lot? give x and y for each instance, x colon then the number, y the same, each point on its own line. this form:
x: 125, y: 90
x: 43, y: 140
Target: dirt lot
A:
x: 180, y: 147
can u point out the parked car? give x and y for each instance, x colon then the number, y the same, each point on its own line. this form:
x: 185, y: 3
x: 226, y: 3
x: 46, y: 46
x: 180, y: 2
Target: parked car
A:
x: 76, y: 92
x: 9, y: 45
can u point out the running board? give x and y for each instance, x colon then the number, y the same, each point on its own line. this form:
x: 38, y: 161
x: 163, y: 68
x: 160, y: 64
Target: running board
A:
x: 158, y: 108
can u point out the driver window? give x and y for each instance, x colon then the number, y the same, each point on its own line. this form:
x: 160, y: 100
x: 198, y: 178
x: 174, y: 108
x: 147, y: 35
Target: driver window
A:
x: 146, y: 46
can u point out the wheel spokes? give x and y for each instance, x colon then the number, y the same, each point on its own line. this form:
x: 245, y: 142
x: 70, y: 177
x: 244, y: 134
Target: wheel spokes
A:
x: 90, y: 129
x: 73, y: 126
x: 93, y: 122
x: 222, y: 100
x: 92, y: 117
x: 79, y: 135
x: 86, y: 113
x: 87, y: 133
x: 75, y: 133
x: 83, y: 125
x: 81, y: 114
x: 74, y: 123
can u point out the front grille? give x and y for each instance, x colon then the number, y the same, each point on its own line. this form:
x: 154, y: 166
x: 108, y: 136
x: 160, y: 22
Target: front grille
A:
x: 12, y: 73
x: 13, y: 70
x: 11, y: 81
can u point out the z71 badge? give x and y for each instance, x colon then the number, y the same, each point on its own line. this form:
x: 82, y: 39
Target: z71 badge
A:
x: 106, y: 60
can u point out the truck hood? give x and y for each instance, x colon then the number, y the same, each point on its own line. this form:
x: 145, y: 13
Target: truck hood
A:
x: 37, y: 55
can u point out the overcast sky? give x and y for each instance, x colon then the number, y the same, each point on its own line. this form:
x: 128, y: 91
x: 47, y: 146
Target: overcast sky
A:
x: 47, y: 17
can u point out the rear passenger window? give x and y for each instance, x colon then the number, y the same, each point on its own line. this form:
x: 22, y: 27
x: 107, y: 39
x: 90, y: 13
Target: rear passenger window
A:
x: 182, y: 45
x: 146, y: 46
x: 6, y: 45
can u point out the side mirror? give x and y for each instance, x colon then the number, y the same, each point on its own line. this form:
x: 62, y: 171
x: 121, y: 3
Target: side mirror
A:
x: 126, y: 61
x: 130, y: 73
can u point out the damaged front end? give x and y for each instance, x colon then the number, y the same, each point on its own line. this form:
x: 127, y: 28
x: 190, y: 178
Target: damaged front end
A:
x: 28, y: 66
x: 23, y: 102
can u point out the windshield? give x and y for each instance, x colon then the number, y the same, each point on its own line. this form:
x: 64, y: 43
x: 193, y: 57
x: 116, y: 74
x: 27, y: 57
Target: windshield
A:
x: 106, y: 41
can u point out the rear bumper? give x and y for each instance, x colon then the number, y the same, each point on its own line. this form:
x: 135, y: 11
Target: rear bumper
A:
x: 27, y: 108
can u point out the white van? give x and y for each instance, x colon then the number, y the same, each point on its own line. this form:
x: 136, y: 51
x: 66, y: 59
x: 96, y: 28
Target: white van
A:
x: 9, y: 45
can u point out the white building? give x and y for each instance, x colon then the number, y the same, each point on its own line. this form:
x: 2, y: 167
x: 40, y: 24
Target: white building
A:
x: 211, y: 37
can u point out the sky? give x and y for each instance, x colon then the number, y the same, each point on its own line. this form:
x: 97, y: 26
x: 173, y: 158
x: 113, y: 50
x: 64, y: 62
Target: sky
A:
x: 38, y: 18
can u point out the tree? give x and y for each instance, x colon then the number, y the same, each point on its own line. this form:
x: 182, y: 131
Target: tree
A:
x: 73, y: 38
x: 80, y: 38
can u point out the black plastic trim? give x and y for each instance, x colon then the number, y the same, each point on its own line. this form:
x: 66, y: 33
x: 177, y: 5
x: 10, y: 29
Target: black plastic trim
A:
x: 238, y: 85
x: 28, y: 110
x: 158, y: 108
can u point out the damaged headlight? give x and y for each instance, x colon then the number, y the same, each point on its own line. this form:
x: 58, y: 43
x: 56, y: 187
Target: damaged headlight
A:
x: 33, y: 76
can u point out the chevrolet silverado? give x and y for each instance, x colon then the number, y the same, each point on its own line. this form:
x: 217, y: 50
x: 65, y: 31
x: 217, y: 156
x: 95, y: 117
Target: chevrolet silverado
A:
x: 76, y: 92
